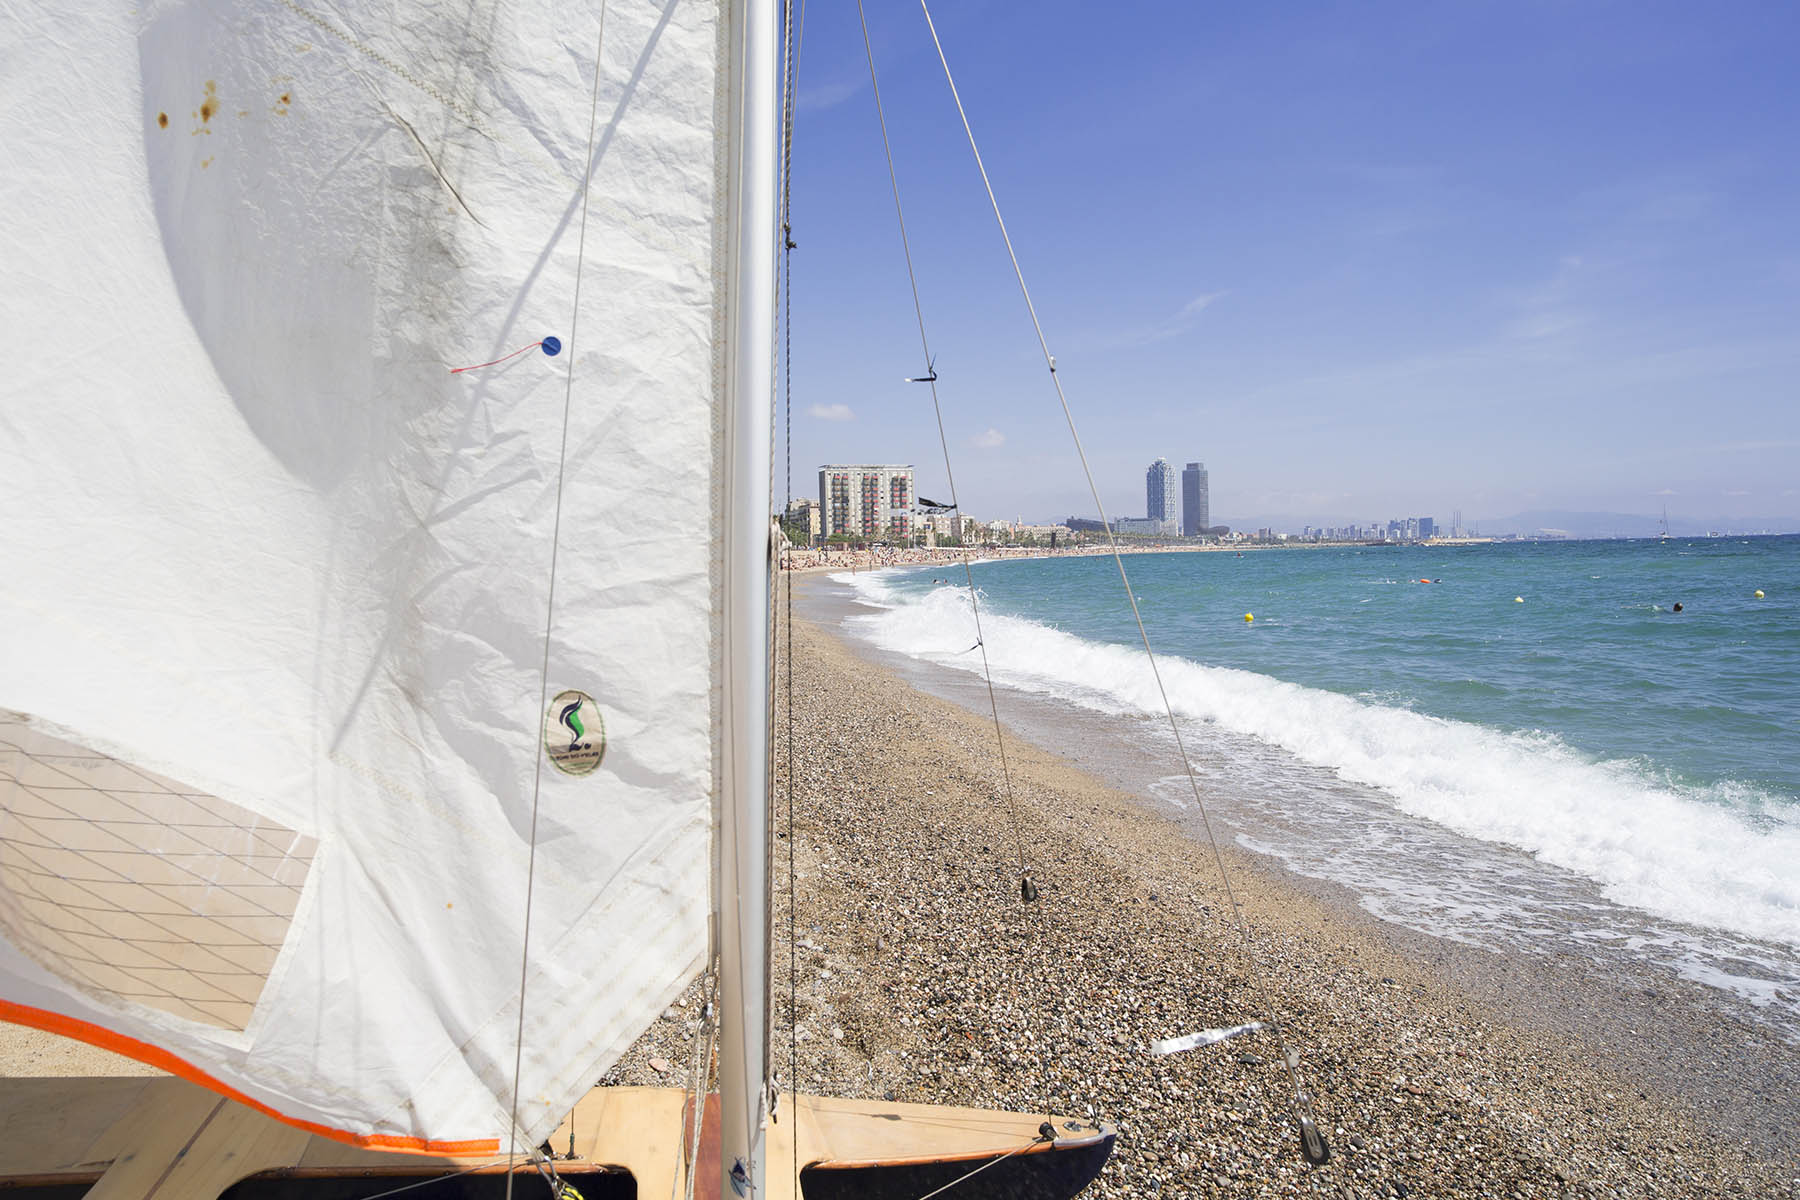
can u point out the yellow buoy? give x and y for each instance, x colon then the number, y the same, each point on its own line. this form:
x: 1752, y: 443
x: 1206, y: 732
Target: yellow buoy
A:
x: 1249, y: 616
x: 1759, y: 594
x: 1518, y: 599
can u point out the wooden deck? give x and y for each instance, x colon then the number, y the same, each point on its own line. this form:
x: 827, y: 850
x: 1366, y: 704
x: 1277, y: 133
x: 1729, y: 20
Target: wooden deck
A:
x: 167, y: 1139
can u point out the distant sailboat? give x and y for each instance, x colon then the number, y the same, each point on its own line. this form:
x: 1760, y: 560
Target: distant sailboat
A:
x: 337, y: 671
x: 1665, y: 523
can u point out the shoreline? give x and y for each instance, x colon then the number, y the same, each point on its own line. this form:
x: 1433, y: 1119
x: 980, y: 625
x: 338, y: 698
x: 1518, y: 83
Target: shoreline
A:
x: 923, y: 978
x: 1653, y: 1013
x: 808, y: 561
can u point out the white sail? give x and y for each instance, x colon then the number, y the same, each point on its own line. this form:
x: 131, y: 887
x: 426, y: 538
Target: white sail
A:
x: 275, y: 581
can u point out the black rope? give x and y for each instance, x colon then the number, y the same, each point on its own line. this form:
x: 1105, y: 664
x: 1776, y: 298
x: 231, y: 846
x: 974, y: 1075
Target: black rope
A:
x: 791, y: 34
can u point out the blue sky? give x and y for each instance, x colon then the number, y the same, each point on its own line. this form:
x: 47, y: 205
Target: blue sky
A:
x: 1362, y: 260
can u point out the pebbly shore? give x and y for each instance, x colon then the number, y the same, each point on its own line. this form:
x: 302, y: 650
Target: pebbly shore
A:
x: 922, y: 977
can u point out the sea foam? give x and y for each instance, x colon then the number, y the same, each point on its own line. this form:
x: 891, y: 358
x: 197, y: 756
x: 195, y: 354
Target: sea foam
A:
x: 1721, y: 856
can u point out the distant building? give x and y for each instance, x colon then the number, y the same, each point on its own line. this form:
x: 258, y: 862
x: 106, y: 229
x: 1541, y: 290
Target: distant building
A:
x: 804, y: 514
x: 946, y: 525
x: 1196, y: 503
x: 869, y: 502
x: 1160, y: 497
x: 1427, y: 527
x: 1146, y: 526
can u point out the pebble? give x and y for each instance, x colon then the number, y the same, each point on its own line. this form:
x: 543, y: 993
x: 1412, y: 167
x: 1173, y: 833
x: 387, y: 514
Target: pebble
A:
x: 938, y: 985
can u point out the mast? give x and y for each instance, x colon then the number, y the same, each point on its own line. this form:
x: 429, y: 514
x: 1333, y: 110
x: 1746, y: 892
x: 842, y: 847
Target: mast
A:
x: 752, y: 127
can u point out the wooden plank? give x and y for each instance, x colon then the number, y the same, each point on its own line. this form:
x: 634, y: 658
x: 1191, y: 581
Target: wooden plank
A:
x: 235, y: 1142
x: 145, y: 1144
x: 52, y: 1125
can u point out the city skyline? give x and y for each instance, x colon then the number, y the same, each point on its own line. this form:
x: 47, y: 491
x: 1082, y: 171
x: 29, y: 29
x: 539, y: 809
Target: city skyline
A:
x: 1394, y: 261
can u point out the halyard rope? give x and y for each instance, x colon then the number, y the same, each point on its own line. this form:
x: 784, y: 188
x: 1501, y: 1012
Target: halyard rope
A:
x: 1301, y: 1104
x: 562, y: 454
x: 790, y: 46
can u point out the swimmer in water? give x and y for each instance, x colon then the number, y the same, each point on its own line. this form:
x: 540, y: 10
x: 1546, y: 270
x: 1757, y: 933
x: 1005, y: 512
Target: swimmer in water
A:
x: 1678, y: 606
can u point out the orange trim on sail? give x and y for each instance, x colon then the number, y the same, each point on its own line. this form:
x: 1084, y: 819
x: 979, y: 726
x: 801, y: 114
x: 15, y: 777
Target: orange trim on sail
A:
x: 144, y: 1052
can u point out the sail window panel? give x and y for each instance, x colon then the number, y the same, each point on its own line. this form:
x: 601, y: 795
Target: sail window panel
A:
x: 233, y: 870
x: 145, y: 867
x: 123, y: 895
x: 98, y: 774
x: 177, y: 984
x: 22, y: 768
x: 30, y: 855
x: 159, y: 955
x: 15, y: 733
x: 212, y: 813
x: 122, y: 924
x: 131, y: 885
x: 73, y: 835
x: 63, y: 804
x: 250, y: 957
x: 97, y: 947
x: 210, y: 901
x: 267, y: 931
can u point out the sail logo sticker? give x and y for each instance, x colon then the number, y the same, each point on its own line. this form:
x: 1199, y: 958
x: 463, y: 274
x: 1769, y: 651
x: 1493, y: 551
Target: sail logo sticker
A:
x: 574, y: 734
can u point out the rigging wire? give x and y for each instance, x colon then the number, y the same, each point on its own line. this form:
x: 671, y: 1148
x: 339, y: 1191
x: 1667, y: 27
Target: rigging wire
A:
x: 992, y: 1162
x: 1028, y: 890
x: 562, y: 455
x: 434, y: 1179
x: 1312, y: 1143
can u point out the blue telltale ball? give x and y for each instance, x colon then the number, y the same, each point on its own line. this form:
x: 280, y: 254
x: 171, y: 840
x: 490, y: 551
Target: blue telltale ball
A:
x: 552, y: 345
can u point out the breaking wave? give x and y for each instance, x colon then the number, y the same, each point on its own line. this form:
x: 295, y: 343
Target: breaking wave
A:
x: 1721, y: 856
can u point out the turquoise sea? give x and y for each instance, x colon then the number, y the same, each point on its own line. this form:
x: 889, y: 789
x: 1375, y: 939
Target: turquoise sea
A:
x: 1532, y: 747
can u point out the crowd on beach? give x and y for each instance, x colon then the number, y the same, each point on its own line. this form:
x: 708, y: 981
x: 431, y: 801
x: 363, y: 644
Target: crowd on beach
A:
x: 867, y: 559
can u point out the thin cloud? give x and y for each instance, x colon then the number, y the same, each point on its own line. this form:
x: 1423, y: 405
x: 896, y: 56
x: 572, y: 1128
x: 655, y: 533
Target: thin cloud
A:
x: 987, y: 439
x: 829, y: 95
x: 831, y: 412
x: 1173, y: 326
x: 1549, y: 309
x: 1666, y: 492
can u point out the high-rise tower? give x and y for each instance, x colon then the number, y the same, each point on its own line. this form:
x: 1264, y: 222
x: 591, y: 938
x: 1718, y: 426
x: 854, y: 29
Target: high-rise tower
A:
x: 1159, y: 492
x: 1196, y: 503
x: 866, y: 501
